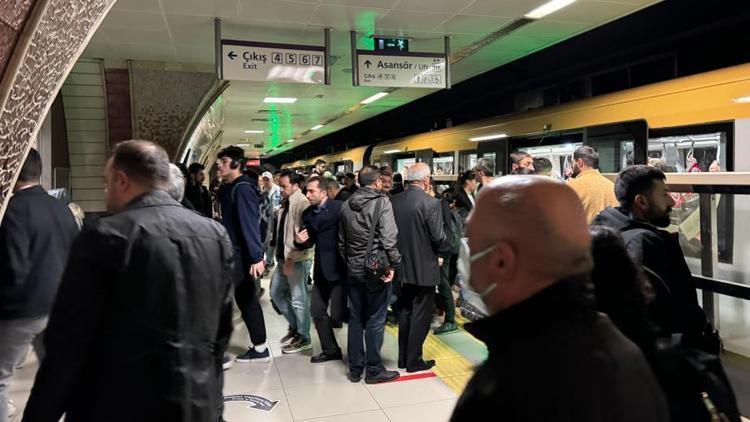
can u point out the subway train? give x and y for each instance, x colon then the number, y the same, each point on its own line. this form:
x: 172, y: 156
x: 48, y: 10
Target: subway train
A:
x: 697, y: 125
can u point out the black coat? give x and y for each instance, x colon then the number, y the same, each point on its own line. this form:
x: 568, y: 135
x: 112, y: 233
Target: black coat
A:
x: 343, y: 195
x: 421, y: 235
x: 463, y: 203
x: 552, y: 358
x: 199, y: 196
x: 357, y: 217
x: 35, y: 238
x: 322, y: 225
x: 142, y: 319
x: 675, y: 307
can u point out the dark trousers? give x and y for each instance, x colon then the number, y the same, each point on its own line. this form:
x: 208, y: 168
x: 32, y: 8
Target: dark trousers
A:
x: 326, y: 292
x: 246, y: 296
x: 368, y: 307
x: 414, y: 323
x: 445, y: 300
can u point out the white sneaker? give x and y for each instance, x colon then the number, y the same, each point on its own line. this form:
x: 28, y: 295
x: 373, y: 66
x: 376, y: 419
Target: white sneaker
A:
x: 11, y: 408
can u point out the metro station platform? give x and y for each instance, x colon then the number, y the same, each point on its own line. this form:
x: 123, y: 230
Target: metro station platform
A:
x: 290, y: 388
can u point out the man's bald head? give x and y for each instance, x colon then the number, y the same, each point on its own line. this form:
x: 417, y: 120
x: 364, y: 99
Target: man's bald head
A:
x: 540, y: 232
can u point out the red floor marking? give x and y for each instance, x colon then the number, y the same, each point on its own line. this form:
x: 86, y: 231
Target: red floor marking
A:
x: 415, y: 376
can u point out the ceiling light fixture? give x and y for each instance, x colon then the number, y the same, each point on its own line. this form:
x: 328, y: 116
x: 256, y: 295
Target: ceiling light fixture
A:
x: 489, y: 137
x: 243, y: 145
x: 316, y: 127
x: 280, y: 100
x: 391, y: 151
x: 373, y: 98
x: 741, y: 100
x: 551, y: 6
x: 253, y: 131
x: 289, y: 141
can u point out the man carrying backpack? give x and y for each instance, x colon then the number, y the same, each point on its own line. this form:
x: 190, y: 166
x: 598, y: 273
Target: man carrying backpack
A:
x: 448, y: 258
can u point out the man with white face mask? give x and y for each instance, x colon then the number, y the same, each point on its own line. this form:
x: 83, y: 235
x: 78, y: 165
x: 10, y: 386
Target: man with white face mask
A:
x: 551, y: 356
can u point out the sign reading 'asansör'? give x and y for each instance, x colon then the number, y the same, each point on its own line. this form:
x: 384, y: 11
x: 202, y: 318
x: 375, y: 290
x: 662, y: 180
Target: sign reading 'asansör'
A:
x: 255, y: 61
x: 403, y: 71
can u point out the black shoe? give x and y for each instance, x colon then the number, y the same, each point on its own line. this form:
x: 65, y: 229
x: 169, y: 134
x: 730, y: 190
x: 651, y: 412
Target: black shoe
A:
x: 385, y: 376
x: 426, y: 364
x: 253, y: 355
x: 354, y: 378
x: 226, y: 362
x: 325, y: 358
x: 290, y: 335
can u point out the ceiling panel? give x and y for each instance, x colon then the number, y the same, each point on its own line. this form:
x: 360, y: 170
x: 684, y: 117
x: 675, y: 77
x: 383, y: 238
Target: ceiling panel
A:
x: 470, y: 24
x: 347, y: 18
x: 277, y: 10
x: 592, y: 11
x: 446, y: 6
x: 210, y: 8
x: 183, y: 31
x: 412, y: 20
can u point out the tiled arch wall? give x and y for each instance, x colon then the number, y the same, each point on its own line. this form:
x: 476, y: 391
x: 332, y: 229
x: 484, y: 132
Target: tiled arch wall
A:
x: 46, y: 47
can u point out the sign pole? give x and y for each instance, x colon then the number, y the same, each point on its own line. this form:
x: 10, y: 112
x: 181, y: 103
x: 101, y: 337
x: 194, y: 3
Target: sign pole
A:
x: 327, y: 37
x: 447, y: 62
x: 355, y: 59
x: 217, y: 49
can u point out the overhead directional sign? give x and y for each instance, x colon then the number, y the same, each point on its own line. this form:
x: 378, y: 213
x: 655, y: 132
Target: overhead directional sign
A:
x: 256, y: 61
x: 404, y: 70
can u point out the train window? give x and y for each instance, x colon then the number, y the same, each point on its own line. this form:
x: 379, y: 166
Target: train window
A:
x: 404, y: 163
x: 442, y: 164
x: 561, y: 156
x: 467, y: 160
x: 689, y: 153
x: 697, y: 149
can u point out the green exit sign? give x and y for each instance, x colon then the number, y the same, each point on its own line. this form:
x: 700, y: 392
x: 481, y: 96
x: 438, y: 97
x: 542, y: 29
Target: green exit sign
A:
x: 391, y: 44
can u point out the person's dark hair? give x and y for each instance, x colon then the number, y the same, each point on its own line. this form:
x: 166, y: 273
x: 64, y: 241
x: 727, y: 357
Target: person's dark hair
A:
x: 143, y: 161
x: 621, y: 289
x: 234, y: 153
x: 253, y: 173
x: 398, y: 178
x: 350, y: 176
x: 516, y: 156
x: 636, y: 180
x: 323, y: 182
x: 589, y: 156
x: 319, y: 161
x: 465, y: 177
x: 31, y: 170
x: 276, y: 172
x: 486, y: 166
x: 542, y: 165
x: 294, y: 177
x: 368, y: 175
x: 195, y: 168
x: 386, y: 171
x: 523, y: 171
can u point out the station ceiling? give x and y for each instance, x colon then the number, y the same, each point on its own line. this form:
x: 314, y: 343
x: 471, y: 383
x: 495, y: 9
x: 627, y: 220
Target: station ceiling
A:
x: 182, y: 31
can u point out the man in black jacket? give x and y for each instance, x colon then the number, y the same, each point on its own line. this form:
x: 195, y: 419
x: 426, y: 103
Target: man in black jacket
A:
x: 35, y: 238
x: 240, y: 215
x: 320, y: 222
x: 151, y: 285
x: 421, y: 236
x: 196, y: 192
x: 368, y: 299
x: 645, y: 206
x: 552, y: 357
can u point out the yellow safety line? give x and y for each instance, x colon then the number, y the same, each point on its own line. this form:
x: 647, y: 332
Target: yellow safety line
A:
x: 451, y: 367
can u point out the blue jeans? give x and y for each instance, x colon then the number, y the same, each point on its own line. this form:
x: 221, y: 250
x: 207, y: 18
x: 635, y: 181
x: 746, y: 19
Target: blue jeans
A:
x: 16, y: 335
x: 270, y: 251
x: 290, y: 295
x: 368, y: 305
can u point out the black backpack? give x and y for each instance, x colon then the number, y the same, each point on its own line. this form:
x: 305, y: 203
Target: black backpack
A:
x: 453, y: 227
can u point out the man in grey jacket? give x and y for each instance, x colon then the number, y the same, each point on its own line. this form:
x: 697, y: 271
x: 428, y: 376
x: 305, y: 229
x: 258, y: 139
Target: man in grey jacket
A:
x: 368, y: 300
x: 421, y: 236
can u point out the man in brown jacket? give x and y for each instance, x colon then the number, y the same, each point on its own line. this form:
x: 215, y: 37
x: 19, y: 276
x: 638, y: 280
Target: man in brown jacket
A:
x: 288, y: 283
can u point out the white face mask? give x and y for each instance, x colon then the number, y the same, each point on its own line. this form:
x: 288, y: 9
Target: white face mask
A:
x: 465, y: 259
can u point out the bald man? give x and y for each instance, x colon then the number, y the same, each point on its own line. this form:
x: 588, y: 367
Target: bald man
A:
x: 551, y: 357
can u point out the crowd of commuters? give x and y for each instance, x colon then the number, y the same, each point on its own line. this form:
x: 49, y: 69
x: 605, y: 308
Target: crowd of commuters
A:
x: 153, y: 284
